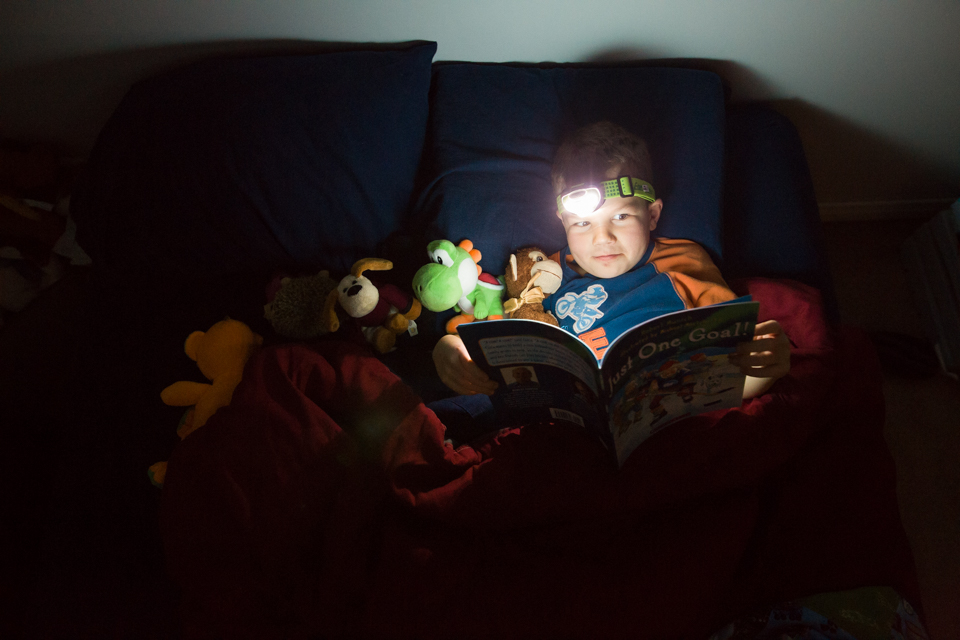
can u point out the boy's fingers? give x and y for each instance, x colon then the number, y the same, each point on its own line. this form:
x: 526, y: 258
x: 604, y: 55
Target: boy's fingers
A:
x: 473, y: 389
x: 458, y: 371
x: 452, y: 372
x: 473, y: 373
x: 465, y: 387
x: 758, y: 360
x: 767, y: 365
x: 778, y: 345
x: 757, y: 345
x: 767, y: 326
x: 764, y: 359
x: 767, y: 355
x: 469, y: 368
x: 776, y: 371
x: 472, y: 379
x: 776, y: 353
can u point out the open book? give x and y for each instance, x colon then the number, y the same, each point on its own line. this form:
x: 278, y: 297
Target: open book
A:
x: 658, y: 372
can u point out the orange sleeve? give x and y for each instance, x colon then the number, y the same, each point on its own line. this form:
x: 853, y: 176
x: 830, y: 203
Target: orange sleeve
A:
x: 694, y: 276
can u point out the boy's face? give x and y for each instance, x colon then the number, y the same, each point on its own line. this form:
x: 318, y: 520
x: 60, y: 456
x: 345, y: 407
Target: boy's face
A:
x: 611, y: 240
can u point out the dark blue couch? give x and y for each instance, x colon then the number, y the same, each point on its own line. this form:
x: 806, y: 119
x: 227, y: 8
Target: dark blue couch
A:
x: 209, y: 178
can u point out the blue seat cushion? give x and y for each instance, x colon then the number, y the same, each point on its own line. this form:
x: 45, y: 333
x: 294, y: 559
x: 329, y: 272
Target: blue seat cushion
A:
x: 253, y: 164
x: 773, y: 226
x: 494, y: 130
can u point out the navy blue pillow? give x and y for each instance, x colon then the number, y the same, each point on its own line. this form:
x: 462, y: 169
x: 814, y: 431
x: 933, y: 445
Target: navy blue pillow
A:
x: 773, y: 222
x: 252, y: 164
x: 494, y: 129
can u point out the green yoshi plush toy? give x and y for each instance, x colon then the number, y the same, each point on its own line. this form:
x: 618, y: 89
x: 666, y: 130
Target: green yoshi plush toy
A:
x: 454, y: 279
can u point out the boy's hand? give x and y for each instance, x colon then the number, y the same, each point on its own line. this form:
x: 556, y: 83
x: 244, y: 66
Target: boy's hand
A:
x: 765, y: 359
x: 768, y: 355
x: 457, y: 370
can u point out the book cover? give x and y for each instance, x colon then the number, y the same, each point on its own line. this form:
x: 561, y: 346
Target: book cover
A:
x: 655, y: 374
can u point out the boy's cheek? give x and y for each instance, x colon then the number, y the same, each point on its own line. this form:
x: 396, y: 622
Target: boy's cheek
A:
x: 572, y: 238
x: 574, y: 242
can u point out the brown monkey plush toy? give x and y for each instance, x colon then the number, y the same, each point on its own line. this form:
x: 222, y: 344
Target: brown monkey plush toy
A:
x: 530, y: 277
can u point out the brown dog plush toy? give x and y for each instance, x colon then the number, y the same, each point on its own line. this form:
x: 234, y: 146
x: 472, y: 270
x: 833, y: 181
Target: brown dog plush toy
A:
x: 382, y: 311
x: 530, y: 277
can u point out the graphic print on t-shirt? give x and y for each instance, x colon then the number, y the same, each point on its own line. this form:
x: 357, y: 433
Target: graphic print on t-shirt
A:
x: 584, y: 308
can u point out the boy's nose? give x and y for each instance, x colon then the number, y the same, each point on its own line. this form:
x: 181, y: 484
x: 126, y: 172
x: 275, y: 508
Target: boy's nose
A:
x: 603, y: 234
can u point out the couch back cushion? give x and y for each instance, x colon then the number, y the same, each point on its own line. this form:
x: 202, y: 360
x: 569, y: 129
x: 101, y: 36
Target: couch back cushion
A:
x: 253, y: 164
x: 494, y: 129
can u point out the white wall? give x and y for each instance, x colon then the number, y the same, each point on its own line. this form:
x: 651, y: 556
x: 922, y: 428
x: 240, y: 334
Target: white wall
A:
x: 888, y: 68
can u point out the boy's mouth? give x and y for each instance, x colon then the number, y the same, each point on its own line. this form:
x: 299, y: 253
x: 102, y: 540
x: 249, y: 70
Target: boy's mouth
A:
x: 610, y: 257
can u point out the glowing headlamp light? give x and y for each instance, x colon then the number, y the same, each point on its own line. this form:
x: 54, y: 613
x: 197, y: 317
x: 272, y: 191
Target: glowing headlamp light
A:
x: 585, y: 199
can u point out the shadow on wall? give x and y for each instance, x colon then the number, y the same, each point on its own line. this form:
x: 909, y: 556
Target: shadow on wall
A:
x: 852, y: 164
x: 852, y: 167
x: 65, y: 103
x: 741, y: 83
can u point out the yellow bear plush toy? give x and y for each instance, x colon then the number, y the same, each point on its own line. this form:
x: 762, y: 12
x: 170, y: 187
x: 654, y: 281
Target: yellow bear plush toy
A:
x: 221, y: 353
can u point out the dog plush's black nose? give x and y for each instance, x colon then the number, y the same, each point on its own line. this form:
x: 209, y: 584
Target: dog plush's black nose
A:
x: 354, y: 290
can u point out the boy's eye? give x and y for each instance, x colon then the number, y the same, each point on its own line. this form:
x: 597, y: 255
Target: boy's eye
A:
x: 621, y: 216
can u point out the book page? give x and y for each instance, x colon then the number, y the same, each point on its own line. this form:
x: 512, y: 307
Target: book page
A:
x: 506, y: 350
x: 673, y: 367
x: 545, y: 374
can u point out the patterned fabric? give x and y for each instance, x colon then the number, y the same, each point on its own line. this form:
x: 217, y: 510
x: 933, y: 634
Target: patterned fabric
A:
x: 324, y: 502
x: 871, y: 613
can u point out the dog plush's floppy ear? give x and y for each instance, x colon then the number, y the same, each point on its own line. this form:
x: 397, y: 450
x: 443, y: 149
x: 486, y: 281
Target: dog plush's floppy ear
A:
x: 372, y: 264
x: 330, y: 321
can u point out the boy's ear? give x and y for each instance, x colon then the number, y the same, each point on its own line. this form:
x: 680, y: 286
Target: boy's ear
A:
x: 654, y: 209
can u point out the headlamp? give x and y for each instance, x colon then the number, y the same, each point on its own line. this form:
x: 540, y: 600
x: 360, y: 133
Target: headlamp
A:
x: 584, y: 199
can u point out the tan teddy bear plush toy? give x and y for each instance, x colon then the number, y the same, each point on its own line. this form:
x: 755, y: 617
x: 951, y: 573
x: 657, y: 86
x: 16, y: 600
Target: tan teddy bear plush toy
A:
x: 530, y: 277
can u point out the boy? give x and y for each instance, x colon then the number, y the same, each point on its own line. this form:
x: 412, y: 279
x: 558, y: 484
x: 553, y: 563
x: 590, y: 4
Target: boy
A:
x: 614, y: 275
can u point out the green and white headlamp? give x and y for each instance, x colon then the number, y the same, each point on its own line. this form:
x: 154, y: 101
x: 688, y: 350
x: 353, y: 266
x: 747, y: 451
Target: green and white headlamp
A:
x: 584, y: 199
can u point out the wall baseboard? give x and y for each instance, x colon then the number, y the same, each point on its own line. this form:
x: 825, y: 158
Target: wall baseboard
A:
x: 882, y: 209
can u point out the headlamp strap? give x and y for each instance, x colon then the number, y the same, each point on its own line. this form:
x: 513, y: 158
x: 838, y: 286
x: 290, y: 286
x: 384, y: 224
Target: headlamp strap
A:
x: 626, y: 186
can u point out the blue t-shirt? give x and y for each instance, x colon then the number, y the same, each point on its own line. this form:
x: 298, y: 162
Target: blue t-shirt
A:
x: 671, y: 276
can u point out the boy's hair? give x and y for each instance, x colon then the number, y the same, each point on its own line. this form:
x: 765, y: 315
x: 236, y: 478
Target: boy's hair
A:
x: 592, y: 151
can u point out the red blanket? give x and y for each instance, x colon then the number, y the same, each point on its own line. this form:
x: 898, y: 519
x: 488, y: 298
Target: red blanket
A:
x: 323, y: 501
